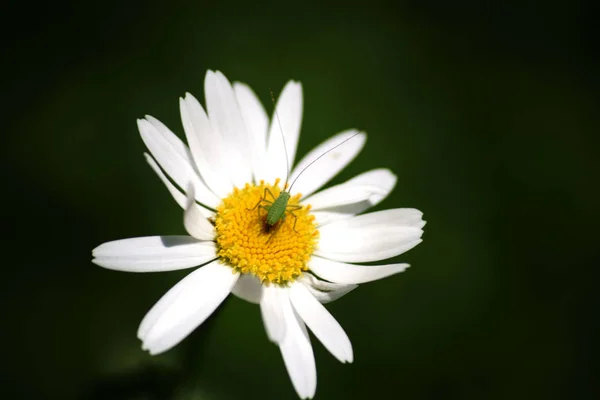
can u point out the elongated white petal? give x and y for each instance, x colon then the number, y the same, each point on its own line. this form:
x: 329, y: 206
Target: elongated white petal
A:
x: 400, y: 216
x: 325, y: 292
x: 367, y: 245
x: 285, y: 127
x: 395, y: 217
x: 344, y: 195
x: 186, y: 306
x: 355, y: 195
x: 163, y: 304
x: 371, y: 237
x: 297, y: 352
x: 351, y: 197
x: 174, y: 157
x: 206, y: 146
x: 194, y: 221
x: 257, y: 123
x: 272, y: 313
x: 381, y: 177
x: 226, y: 119
x: 321, y: 323
x: 248, y: 288
x: 340, y: 272
x: 329, y: 164
x: 323, y: 218
x: 154, y: 253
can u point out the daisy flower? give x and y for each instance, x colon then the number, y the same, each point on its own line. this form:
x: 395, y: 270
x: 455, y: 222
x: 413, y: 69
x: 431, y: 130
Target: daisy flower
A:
x: 236, y: 155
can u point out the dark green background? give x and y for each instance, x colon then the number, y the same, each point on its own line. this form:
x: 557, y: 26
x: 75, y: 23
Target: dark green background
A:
x: 486, y: 111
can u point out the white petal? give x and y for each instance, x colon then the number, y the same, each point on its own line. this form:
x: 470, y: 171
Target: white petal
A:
x: 206, y: 146
x: 371, y: 237
x: 381, y: 177
x: 186, y: 306
x: 340, y: 272
x: 329, y: 164
x: 401, y: 216
x: 368, y: 245
x: 325, y: 292
x: 321, y: 323
x: 174, y: 157
x: 257, y: 123
x: 285, y: 126
x: 323, y: 218
x: 226, y: 119
x: 194, y: 220
x: 344, y: 195
x: 297, y: 352
x: 272, y: 314
x: 154, y: 253
x: 248, y: 288
x: 395, y: 217
x: 355, y: 195
x: 407, y: 217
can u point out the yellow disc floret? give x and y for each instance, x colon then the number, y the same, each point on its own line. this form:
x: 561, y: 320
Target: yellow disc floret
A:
x: 274, y: 253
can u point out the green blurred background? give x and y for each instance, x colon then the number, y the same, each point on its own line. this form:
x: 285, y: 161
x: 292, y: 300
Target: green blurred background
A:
x: 486, y: 111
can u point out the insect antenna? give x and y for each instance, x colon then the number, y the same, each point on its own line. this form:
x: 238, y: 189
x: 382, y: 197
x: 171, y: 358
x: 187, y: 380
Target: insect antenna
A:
x: 287, y: 161
x: 318, y: 158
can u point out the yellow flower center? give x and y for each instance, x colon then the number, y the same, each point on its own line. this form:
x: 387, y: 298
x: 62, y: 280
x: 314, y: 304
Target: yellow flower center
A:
x: 275, y: 253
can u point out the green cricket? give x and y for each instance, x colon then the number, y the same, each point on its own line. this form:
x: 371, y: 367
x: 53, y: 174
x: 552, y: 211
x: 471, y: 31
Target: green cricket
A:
x: 278, y: 208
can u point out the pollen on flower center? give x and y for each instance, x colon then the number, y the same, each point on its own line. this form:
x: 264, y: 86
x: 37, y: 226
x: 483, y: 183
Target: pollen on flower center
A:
x: 275, y: 254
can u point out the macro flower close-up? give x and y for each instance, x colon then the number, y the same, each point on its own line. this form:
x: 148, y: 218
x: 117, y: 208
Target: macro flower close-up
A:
x: 259, y: 225
x: 226, y: 200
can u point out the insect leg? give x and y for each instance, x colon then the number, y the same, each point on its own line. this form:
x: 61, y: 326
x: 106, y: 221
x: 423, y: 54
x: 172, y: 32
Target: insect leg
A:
x: 265, y: 195
x: 291, y: 210
x: 264, y: 198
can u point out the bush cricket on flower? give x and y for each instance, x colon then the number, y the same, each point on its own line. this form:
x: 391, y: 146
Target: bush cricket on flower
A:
x: 278, y: 208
